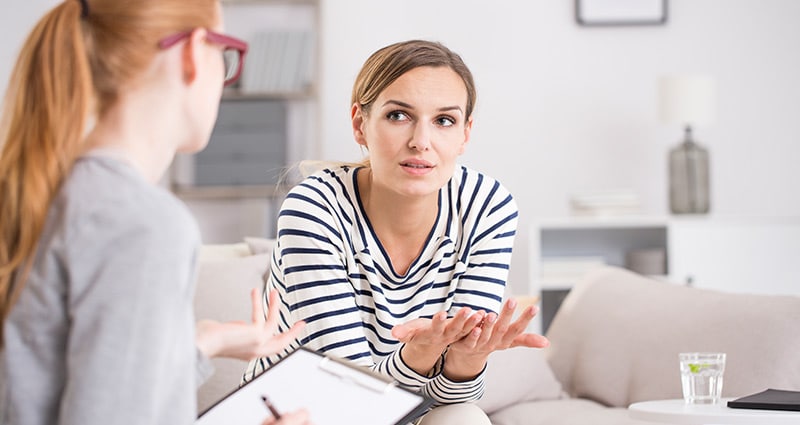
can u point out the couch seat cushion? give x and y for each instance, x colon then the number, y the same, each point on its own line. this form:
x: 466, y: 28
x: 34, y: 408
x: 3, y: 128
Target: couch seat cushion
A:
x: 563, y: 412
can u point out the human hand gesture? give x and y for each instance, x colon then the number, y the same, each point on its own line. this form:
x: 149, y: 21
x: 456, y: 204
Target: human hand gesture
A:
x: 425, y: 339
x: 438, y: 331
x: 467, y: 357
x: 499, y: 332
x: 247, y: 340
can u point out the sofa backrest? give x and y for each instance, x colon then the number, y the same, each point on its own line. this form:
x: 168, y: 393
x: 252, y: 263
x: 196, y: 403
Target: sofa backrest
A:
x: 617, y: 336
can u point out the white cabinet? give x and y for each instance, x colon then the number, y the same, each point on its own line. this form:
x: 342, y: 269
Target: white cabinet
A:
x: 735, y: 254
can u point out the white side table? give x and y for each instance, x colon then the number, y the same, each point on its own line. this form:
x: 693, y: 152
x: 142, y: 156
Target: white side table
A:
x: 678, y: 412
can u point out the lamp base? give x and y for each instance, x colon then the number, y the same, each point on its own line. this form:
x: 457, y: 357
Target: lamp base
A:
x: 689, y: 178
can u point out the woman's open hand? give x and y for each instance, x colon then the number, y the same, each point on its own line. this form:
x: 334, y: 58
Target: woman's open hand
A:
x: 425, y: 339
x: 467, y: 357
x: 247, y: 340
x: 438, y: 331
x: 499, y: 332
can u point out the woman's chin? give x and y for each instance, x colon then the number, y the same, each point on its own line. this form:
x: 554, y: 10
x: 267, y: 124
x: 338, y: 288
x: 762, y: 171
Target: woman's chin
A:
x: 193, y: 146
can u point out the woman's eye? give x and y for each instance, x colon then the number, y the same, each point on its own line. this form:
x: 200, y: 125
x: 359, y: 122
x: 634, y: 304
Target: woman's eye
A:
x: 445, y: 121
x: 397, y: 116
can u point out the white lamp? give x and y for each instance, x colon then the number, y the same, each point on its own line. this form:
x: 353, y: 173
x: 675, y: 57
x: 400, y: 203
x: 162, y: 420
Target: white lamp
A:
x: 688, y: 101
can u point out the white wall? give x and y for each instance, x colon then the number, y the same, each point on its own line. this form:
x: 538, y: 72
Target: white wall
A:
x: 16, y: 21
x: 565, y: 109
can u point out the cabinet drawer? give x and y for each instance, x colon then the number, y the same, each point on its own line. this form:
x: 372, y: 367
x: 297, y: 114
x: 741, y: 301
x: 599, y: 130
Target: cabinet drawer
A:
x: 233, y: 173
x: 265, y: 143
x: 248, y: 115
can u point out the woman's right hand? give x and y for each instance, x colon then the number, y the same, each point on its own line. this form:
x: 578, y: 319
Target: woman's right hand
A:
x: 247, y: 340
x: 299, y: 417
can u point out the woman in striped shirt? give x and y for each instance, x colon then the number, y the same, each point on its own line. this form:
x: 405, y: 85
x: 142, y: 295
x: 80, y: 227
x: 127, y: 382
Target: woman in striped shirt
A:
x: 400, y: 263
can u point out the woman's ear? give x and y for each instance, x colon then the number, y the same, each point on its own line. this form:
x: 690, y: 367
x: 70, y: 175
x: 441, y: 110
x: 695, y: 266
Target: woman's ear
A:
x: 191, y: 55
x: 357, y: 120
x: 467, y: 132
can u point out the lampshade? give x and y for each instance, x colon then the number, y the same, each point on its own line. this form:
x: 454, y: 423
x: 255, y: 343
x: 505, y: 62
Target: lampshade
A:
x: 687, y: 99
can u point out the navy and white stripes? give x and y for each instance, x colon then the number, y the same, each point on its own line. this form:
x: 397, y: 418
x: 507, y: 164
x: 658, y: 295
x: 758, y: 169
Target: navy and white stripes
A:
x: 332, y: 272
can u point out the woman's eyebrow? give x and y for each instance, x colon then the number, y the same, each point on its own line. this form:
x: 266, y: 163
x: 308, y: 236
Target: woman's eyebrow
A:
x: 398, y: 103
x: 408, y: 106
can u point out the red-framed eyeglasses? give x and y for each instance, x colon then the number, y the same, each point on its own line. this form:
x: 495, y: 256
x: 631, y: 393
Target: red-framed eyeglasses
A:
x: 233, y: 51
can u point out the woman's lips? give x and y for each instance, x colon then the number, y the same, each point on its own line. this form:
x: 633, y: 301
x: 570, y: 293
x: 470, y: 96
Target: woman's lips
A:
x: 416, y: 166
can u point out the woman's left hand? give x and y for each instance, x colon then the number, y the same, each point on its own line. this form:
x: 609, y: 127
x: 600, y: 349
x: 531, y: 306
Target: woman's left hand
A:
x: 499, y: 332
x: 247, y: 340
x: 467, y: 356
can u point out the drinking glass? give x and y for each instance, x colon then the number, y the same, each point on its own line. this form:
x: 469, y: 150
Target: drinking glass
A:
x: 701, y: 377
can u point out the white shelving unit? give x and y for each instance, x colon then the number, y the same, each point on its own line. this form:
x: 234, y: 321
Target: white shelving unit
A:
x: 563, y: 249
x: 589, y: 240
x: 735, y: 254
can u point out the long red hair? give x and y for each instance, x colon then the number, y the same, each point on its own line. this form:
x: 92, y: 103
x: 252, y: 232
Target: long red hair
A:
x: 71, y: 69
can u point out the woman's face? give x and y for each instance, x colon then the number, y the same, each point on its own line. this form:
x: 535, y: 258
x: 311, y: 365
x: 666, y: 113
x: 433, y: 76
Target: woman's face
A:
x: 415, y: 131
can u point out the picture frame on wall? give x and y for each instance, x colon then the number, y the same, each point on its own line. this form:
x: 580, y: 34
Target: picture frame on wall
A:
x: 620, y: 12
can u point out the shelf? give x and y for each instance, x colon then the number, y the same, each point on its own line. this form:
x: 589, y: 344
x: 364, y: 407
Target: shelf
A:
x: 602, y: 222
x: 229, y: 192
x: 234, y: 94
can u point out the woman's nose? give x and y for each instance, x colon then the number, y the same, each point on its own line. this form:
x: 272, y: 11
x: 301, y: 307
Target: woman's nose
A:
x: 421, y: 138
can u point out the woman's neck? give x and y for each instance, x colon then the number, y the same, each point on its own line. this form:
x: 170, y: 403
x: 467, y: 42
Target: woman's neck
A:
x: 397, y: 214
x: 401, y: 223
x: 135, y: 131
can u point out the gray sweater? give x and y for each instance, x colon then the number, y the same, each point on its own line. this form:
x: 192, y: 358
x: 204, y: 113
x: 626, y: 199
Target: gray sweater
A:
x: 103, y: 332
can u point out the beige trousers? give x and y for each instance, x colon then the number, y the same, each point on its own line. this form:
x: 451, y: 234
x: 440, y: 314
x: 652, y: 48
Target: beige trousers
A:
x: 455, y: 414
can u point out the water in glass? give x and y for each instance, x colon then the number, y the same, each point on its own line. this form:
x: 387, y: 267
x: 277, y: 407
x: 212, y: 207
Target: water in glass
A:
x: 701, y: 377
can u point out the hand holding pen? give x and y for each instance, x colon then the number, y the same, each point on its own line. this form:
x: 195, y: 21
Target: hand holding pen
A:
x: 299, y: 417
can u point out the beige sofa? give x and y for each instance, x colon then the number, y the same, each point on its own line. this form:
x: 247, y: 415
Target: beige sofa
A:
x: 615, y: 341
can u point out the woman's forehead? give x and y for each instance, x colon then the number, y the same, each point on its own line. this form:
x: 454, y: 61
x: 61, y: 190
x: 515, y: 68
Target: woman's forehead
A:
x: 428, y: 85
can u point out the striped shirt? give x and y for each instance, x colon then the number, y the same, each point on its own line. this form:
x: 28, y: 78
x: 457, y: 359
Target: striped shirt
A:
x: 332, y: 272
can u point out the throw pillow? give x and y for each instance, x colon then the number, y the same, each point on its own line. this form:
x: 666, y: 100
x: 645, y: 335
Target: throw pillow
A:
x: 517, y: 375
x: 259, y: 245
x: 223, y: 294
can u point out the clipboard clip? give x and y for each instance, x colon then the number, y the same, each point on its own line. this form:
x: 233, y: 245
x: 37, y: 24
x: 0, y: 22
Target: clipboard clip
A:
x: 350, y: 373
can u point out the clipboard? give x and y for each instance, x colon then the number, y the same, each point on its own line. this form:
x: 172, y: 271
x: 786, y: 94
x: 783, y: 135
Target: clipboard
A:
x: 332, y: 391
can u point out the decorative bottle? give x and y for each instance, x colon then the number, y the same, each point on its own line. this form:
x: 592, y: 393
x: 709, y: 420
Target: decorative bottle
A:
x: 689, y: 177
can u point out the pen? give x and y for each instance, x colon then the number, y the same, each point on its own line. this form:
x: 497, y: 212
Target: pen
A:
x: 271, y: 408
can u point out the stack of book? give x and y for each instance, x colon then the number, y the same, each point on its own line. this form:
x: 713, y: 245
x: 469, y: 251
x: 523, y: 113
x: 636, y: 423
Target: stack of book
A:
x: 278, y: 62
x: 613, y: 202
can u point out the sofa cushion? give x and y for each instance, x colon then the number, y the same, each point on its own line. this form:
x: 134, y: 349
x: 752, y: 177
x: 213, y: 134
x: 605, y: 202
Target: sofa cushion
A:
x: 224, y: 281
x: 563, y: 412
x: 517, y: 375
x: 617, y: 336
x: 259, y: 245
